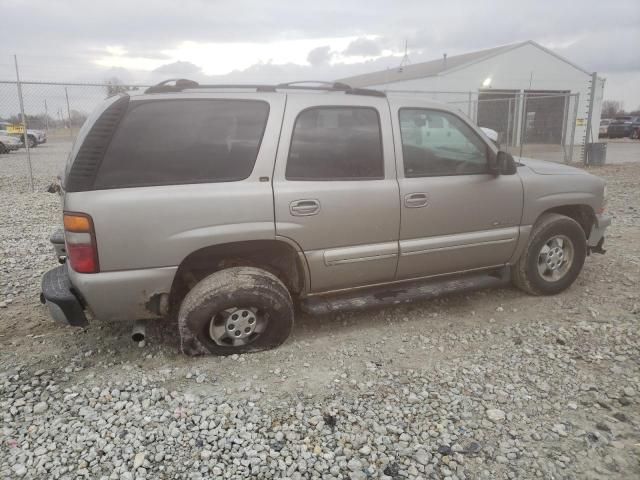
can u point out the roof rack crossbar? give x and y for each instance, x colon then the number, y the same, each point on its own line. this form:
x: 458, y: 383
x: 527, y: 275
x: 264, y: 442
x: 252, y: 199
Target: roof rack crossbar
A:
x: 321, y: 85
x: 259, y: 87
x: 181, y: 84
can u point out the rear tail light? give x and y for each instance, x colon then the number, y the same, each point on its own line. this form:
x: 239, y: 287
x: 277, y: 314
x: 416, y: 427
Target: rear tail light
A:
x: 80, y: 240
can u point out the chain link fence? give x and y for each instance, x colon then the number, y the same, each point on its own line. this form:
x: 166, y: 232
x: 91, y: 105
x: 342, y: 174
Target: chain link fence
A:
x: 58, y: 109
x: 529, y: 124
x: 53, y: 114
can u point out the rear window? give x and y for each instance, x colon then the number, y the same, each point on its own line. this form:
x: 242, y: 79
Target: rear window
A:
x: 173, y: 142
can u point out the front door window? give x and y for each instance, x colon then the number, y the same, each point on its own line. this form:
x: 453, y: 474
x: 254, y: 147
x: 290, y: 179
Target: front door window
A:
x: 436, y: 143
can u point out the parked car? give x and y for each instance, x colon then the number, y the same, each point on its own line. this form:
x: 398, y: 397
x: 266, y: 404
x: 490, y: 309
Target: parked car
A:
x: 223, y: 207
x: 8, y: 143
x: 604, y: 126
x: 34, y: 137
x: 623, y: 126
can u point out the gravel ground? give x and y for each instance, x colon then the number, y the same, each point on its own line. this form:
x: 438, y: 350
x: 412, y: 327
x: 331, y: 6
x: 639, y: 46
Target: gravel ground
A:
x: 493, y: 384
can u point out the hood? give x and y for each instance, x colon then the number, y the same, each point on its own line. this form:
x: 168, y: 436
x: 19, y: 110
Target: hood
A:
x: 542, y: 167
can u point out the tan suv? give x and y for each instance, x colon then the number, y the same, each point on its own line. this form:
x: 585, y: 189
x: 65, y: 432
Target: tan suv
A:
x: 222, y: 206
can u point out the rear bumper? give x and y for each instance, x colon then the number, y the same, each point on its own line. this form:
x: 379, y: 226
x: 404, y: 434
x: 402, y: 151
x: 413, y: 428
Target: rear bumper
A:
x: 124, y: 295
x: 62, y: 303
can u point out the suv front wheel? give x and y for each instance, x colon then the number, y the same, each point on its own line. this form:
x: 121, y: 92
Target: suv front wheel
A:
x: 235, y: 310
x: 554, y: 256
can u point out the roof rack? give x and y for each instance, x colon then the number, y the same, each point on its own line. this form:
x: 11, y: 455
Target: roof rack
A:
x: 181, y: 84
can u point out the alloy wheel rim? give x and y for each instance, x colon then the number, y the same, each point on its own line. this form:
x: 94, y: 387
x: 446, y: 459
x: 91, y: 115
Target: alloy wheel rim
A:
x: 237, y: 326
x: 555, y: 258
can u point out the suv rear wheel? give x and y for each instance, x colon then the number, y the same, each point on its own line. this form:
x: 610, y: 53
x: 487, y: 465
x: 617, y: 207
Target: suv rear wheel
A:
x: 554, y: 256
x: 235, y: 310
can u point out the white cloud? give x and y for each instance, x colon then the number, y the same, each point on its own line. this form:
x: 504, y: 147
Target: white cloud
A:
x: 248, y: 38
x: 320, y: 56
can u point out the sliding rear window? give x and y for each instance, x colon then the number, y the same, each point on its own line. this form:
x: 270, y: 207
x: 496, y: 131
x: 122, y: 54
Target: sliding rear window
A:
x: 170, y: 142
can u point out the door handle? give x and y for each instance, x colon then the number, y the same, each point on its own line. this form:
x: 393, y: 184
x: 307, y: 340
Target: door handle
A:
x: 303, y: 208
x: 416, y: 200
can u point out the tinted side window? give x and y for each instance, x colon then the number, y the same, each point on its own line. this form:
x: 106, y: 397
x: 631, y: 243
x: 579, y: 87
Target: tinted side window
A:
x: 336, y: 143
x: 184, y: 141
x: 438, y: 143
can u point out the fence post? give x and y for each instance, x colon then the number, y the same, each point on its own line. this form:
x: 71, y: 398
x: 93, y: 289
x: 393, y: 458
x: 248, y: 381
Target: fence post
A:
x: 25, y: 137
x: 592, y: 97
x: 573, y: 128
x: 66, y: 94
x: 523, y: 120
x: 46, y: 116
x: 508, y: 133
x: 565, y: 117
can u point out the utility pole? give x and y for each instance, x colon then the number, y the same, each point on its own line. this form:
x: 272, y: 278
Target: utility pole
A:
x: 405, y: 60
x: 24, y: 122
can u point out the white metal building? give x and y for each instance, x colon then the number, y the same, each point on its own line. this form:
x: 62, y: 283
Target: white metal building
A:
x: 559, y: 92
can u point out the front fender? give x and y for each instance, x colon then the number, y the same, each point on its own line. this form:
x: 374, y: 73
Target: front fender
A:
x: 546, y: 192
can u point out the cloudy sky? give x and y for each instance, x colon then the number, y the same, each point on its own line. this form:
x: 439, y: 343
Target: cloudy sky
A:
x: 269, y: 41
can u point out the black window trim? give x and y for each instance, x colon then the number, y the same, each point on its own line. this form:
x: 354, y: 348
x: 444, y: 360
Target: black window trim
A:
x: 488, y: 151
x: 334, y: 179
x: 136, y: 103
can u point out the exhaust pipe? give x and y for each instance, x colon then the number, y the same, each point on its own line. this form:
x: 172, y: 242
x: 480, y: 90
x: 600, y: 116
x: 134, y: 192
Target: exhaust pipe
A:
x: 139, y: 331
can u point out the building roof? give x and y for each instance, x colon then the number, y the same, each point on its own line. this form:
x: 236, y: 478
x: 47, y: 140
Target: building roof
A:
x: 438, y: 66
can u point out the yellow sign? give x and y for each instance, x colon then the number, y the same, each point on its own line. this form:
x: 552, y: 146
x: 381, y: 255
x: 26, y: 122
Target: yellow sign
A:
x: 15, y: 129
x: 581, y: 122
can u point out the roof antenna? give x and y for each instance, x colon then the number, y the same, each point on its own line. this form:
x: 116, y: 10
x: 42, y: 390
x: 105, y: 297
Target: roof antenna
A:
x: 405, y: 60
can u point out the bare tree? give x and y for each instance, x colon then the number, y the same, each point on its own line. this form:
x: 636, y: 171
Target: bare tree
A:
x: 611, y: 108
x: 77, y: 118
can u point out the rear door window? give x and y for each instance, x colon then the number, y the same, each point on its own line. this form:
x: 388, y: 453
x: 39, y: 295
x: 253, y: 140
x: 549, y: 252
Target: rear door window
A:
x: 336, y: 143
x: 171, y: 142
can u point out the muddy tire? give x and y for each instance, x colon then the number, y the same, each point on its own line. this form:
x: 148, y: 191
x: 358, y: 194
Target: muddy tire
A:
x: 553, y: 258
x: 235, y: 310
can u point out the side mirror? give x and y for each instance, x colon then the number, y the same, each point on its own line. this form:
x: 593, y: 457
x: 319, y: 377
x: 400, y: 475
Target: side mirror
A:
x: 502, y: 164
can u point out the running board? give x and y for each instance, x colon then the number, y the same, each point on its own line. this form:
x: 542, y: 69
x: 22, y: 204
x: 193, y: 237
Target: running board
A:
x: 406, y: 292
